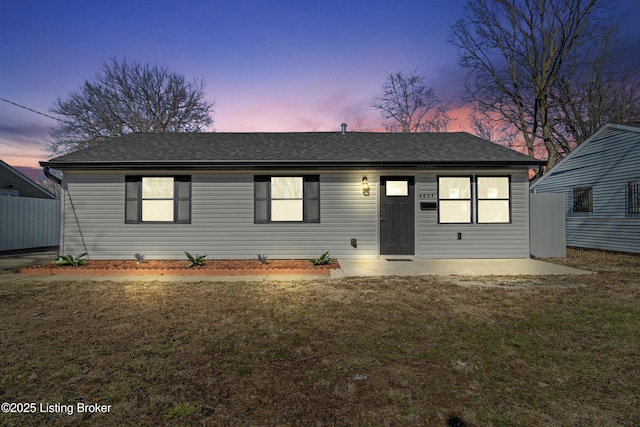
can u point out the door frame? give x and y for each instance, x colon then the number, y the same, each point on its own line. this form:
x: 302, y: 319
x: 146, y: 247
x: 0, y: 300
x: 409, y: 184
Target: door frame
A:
x: 411, y: 212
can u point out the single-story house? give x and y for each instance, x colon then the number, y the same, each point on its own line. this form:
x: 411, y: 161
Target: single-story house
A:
x: 296, y: 195
x: 601, y: 181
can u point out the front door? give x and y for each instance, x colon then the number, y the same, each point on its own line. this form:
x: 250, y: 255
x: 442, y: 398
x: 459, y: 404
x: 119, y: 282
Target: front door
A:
x: 397, y: 215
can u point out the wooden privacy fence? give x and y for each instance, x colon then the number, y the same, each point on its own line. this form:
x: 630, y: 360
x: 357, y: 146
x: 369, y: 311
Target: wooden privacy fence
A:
x: 27, y: 222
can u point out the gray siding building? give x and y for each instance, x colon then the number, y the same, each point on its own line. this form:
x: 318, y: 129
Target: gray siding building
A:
x: 296, y: 195
x: 601, y: 182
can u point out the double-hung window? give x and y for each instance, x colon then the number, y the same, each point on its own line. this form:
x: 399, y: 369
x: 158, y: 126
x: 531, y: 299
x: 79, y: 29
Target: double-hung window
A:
x: 158, y: 199
x: 463, y: 198
x: 493, y: 196
x: 286, y: 199
x: 454, y: 200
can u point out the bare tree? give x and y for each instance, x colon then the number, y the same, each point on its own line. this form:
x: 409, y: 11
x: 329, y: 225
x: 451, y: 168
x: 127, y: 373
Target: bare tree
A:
x: 494, y: 129
x: 127, y: 97
x: 587, y: 97
x: 407, y: 105
x: 519, y: 51
x: 51, y: 186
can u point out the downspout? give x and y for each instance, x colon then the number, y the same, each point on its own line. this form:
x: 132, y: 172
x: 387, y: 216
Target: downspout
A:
x: 58, y: 181
x: 51, y: 176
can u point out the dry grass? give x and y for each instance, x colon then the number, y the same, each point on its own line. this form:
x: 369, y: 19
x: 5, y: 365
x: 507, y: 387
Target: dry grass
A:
x: 535, y: 351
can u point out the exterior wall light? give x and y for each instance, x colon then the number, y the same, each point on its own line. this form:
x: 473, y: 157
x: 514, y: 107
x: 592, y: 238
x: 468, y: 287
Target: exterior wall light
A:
x: 365, y: 186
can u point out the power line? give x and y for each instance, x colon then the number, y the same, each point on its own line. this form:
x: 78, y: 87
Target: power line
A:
x: 33, y: 111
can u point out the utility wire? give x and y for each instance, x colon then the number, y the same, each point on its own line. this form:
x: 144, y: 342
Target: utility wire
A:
x: 33, y: 111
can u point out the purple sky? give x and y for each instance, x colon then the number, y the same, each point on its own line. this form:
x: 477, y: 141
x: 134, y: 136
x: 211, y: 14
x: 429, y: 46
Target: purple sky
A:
x: 269, y: 65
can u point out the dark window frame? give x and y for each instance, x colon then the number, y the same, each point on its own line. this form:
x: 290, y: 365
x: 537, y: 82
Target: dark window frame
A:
x: 581, y: 203
x: 310, y: 199
x: 477, y: 210
x: 633, y: 199
x: 470, y: 198
x: 181, y: 199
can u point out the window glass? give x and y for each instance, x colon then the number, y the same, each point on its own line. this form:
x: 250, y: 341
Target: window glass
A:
x: 286, y: 210
x: 157, y: 188
x: 157, y: 210
x: 493, y: 199
x: 286, y: 198
x: 157, y: 199
x: 454, y: 200
x: 286, y: 187
x: 493, y: 211
x: 454, y: 187
x: 397, y: 188
x: 493, y: 187
x: 455, y: 211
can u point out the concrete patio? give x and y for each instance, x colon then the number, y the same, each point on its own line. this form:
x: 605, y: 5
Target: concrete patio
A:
x: 414, y: 266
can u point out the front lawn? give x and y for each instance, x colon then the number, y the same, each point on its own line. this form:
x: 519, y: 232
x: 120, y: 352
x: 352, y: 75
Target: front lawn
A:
x: 492, y: 351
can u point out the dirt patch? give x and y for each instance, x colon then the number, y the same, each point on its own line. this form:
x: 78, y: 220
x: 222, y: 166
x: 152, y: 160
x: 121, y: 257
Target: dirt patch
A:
x: 180, y: 267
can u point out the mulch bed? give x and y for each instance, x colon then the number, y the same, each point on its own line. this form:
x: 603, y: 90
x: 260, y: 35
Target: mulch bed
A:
x: 179, y: 268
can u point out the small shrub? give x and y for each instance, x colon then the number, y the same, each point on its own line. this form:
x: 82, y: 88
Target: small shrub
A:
x: 263, y: 259
x: 195, y: 261
x: 139, y: 258
x: 71, y: 260
x: 323, y: 260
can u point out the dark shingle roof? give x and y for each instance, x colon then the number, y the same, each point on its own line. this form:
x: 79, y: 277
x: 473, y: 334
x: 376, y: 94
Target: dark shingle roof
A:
x: 294, y: 149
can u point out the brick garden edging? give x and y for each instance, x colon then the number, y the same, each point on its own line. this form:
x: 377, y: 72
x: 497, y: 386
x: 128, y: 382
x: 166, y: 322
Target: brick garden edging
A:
x: 79, y: 271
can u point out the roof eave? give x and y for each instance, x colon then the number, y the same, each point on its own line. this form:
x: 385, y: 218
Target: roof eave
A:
x: 213, y: 165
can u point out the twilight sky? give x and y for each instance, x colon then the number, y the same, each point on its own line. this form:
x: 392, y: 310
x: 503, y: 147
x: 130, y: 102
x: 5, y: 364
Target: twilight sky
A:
x: 269, y: 65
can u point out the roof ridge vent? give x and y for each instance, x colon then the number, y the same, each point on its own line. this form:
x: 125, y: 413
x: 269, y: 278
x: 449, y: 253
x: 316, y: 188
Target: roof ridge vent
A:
x: 344, y: 127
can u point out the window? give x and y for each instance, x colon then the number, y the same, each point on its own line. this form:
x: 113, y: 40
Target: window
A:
x: 397, y: 188
x: 454, y: 200
x: 582, y: 200
x: 158, y: 199
x: 633, y: 198
x: 493, y: 199
x: 286, y: 199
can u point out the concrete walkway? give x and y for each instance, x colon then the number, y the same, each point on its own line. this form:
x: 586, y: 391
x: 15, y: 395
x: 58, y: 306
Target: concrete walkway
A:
x: 380, y: 266
x: 414, y: 266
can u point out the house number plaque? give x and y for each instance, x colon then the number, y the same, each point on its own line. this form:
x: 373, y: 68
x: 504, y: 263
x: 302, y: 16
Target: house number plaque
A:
x: 426, y: 196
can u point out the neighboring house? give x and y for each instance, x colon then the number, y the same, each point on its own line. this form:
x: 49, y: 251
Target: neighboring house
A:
x: 296, y: 195
x: 14, y: 183
x: 29, y: 214
x: 601, y: 181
